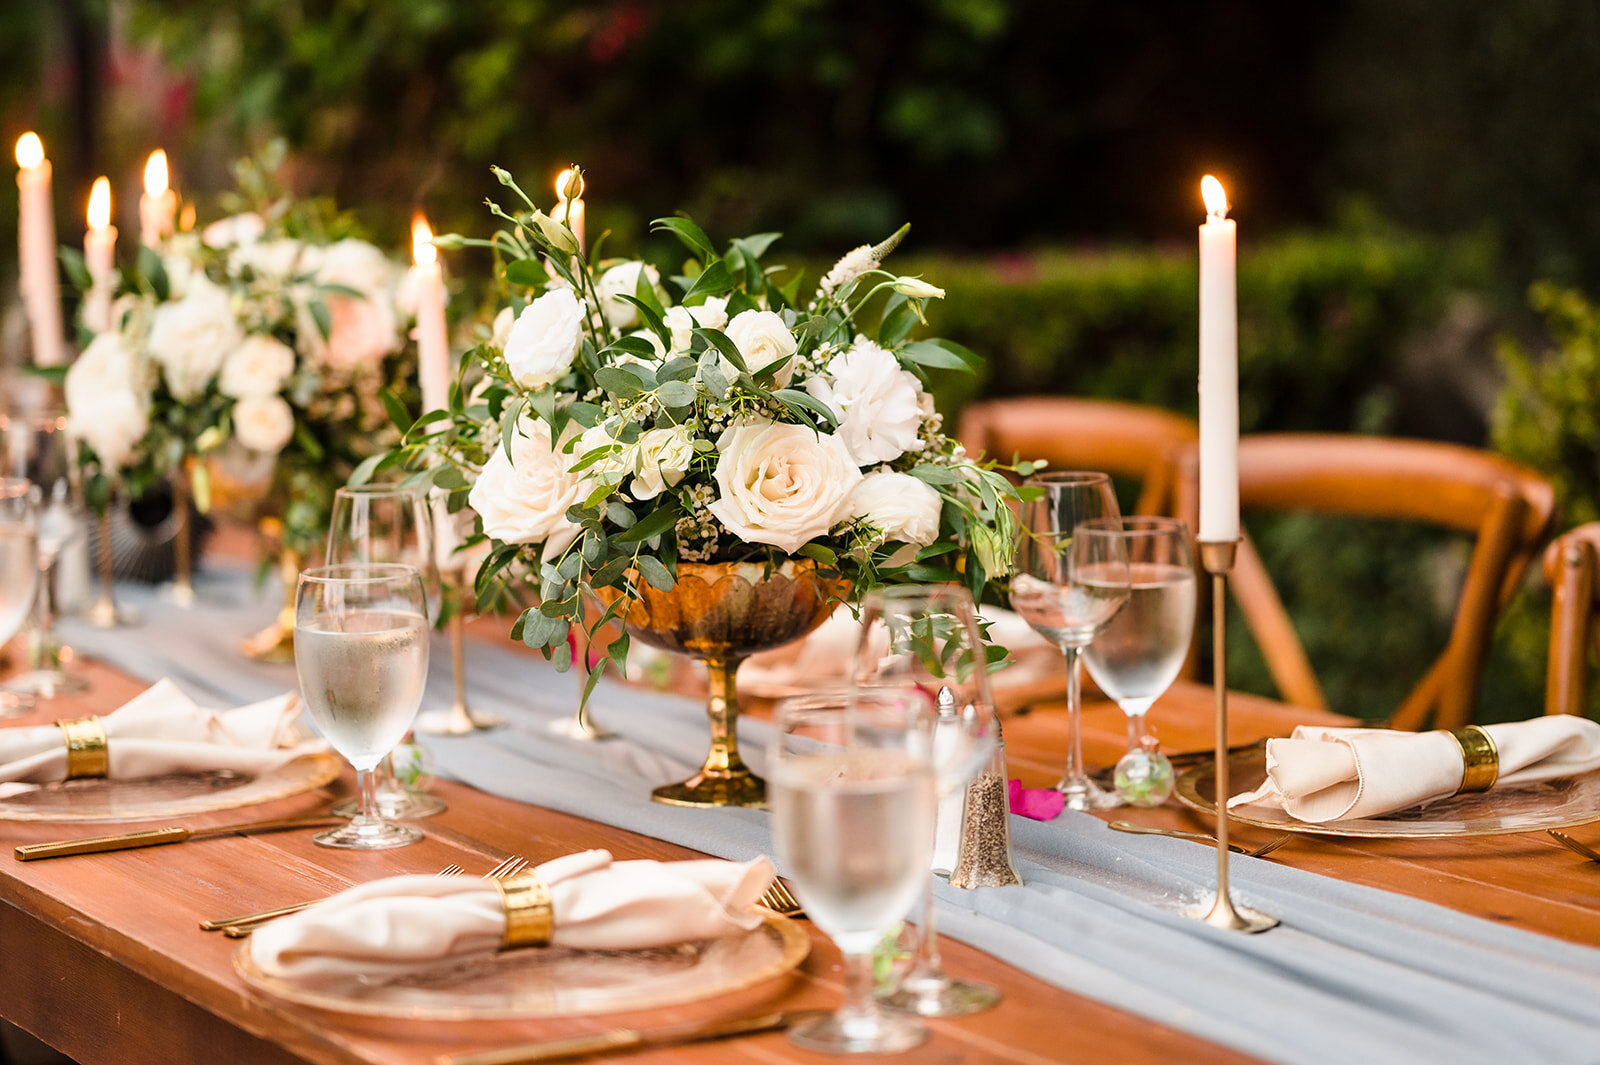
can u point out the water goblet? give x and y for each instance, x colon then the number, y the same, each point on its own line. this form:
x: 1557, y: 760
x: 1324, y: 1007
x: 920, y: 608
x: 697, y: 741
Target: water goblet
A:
x: 924, y: 638
x: 1138, y: 654
x: 19, y: 568
x: 361, y: 650
x: 851, y: 787
x: 1067, y: 610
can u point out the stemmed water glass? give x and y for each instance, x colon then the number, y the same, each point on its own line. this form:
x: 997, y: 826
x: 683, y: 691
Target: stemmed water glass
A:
x: 1137, y: 656
x: 361, y: 650
x: 850, y: 782
x: 394, y: 524
x: 1062, y: 603
x: 37, y: 446
x: 924, y: 638
x: 19, y: 566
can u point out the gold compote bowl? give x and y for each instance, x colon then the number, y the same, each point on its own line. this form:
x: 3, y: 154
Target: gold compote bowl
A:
x: 722, y: 613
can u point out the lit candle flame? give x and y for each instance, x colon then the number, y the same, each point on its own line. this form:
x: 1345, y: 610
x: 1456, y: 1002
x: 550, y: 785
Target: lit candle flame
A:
x: 30, y: 151
x: 100, y: 203
x: 569, y: 180
x: 423, y: 253
x: 155, y: 174
x: 1215, y: 197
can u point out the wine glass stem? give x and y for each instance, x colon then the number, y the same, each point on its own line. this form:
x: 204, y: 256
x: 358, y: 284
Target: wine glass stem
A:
x: 44, y: 649
x: 858, y: 986
x: 929, y: 964
x: 1136, y: 731
x: 1075, y: 774
x: 367, y: 813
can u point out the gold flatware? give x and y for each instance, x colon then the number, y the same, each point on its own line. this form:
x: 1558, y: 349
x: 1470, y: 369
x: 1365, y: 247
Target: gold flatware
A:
x: 1574, y: 846
x: 628, y: 1038
x: 156, y: 837
x: 779, y: 899
x: 1200, y: 837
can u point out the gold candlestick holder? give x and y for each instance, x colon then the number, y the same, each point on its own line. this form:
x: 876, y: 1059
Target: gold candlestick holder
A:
x: 105, y: 614
x: 182, y: 592
x: 1217, y: 558
x: 460, y: 718
x: 275, y: 643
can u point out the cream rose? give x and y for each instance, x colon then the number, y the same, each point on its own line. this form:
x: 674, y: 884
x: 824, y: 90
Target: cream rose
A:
x: 662, y: 458
x: 712, y: 314
x: 190, y: 337
x: 899, y: 506
x: 258, y: 367
x: 545, y: 338
x: 523, y: 499
x: 879, y: 404
x: 782, y: 484
x: 623, y: 280
x: 762, y: 339
x: 365, y: 328
x: 263, y: 423
x: 108, y: 399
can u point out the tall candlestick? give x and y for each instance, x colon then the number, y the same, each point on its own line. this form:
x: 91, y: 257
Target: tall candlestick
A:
x: 36, y: 252
x: 569, y: 202
x: 99, y: 255
x: 1219, y: 371
x: 433, y: 346
x: 158, y: 207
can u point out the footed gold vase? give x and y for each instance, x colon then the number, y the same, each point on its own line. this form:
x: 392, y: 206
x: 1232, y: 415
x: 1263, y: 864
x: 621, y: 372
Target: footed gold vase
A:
x: 722, y: 613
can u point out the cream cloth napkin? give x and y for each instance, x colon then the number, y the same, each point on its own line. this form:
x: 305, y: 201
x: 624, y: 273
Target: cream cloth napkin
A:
x: 408, y: 922
x: 1327, y: 774
x: 161, y: 731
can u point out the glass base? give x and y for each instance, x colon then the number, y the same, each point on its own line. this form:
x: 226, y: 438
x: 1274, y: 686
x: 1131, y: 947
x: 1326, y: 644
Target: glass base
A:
x: 580, y: 728
x: 1085, y: 794
x: 742, y: 788
x: 46, y: 683
x: 859, y: 1033
x: 367, y: 836
x: 397, y: 806
x: 456, y: 721
x: 936, y: 995
x: 15, y: 705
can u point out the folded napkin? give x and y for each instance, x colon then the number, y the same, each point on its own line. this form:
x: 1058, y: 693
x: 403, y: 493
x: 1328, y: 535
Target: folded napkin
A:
x: 1327, y: 774
x: 163, y: 731
x: 411, y: 922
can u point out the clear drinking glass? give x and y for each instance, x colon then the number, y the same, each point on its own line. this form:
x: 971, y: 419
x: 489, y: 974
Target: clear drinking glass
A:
x: 1048, y: 594
x: 1137, y: 656
x: 361, y: 650
x: 388, y: 523
x: 19, y: 568
x: 37, y: 446
x: 924, y: 638
x: 850, y: 783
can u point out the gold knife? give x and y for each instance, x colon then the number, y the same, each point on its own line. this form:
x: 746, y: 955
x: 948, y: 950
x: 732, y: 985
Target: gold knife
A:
x: 627, y: 1039
x: 155, y: 837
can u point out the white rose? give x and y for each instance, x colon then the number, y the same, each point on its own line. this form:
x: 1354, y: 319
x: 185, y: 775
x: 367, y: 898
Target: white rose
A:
x: 523, y: 499
x: 712, y: 314
x: 112, y: 425
x: 238, y: 229
x: 108, y: 399
x: 782, y: 484
x: 619, y: 281
x: 190, y: 337
x: 662, y: 459
x: 899, y: 506
x: 258, y: 367
x: 545, y: 338
x: 879, y: 404
x: 263, y: 423
x: 363, y: 329
x: 762, y: 339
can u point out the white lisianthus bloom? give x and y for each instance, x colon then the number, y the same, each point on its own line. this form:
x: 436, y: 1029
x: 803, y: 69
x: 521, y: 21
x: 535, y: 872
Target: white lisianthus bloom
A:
x: 878, y: 403
x: 649, y: 336
x: 108, y: 393
x: 762, y: 339
x: 523, y: 499
x: 260, y: 366
x: 608, y: 471
x: 662, y: 459
x: 712, y: 314
x: 363, y: 329
x: 236, y: 230
x: 545, y: 338
x: 263, y: 423
x: 190, y: 337
x: 849, y: 267
x: 782, y: 484
x: 899, y: 506
x: 623, y: 280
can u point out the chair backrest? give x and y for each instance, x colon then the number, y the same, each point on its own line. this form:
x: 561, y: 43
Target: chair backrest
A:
x: 1507, y: 508
x: 1123, y: 439
x: 1570, y: 565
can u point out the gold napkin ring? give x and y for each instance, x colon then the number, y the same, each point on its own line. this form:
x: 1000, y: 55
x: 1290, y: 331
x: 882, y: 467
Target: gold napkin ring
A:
x: 86, y: 747
x: 1480, y: 758
x: 529, y: 919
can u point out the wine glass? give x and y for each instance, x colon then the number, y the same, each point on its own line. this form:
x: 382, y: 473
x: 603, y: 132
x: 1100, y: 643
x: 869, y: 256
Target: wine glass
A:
x: 1066, y: 610
x: 924, y: 638
x: 37, y: 446
x: 851, y: 787
x: 361, y: 650
x: 394, y: 524
x: 19, y: 568
x: 1137, y: 656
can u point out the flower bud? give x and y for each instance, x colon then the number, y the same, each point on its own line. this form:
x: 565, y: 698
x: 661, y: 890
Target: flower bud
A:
x: 917, y: 289
x: 554, y: 233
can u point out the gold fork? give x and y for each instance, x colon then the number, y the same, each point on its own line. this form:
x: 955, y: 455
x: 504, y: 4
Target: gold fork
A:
x: 1574, y: 846
x: 779, y: 899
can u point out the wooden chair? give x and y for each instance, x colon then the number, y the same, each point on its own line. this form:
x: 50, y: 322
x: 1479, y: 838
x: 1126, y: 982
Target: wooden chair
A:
x: 1123, y: 439
x: 1507, y: 507
x: 1570, y: 565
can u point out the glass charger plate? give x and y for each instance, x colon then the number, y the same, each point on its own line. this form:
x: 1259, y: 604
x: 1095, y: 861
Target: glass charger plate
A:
x: 1031, y: 670
x: 1499, y: 811
x: 171, y: 795
x: 552, y: 981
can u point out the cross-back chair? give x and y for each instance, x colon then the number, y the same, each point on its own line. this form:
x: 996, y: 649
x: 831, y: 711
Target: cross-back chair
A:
x: 1571, y: 565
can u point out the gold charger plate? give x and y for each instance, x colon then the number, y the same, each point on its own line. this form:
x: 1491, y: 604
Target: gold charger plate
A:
x: 552, y: 981
x: 1497, y: 812
x: 170, y: 795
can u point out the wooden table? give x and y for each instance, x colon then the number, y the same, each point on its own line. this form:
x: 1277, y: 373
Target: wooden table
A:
x: 101, y: 957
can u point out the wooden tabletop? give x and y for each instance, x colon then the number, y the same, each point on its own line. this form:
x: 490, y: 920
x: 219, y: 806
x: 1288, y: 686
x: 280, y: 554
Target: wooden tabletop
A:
x: 102, y: 957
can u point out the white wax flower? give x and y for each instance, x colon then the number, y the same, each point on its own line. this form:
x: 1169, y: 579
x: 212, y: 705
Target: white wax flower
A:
x: 523, y: 499
x: 108, y: 399
x: 899, y: 506
x: 190, y: 337
x: 762, y: 339
x: 782, y: 484
x: 878, y: 403
x: 662, y: 459
x: 623, y: 280
x: 260, y: 366
x: 263, y: 423
x: 545, y: 338
x: 364, y: 328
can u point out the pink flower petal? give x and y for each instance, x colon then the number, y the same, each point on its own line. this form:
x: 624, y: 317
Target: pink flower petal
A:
x: 1040, y: 804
